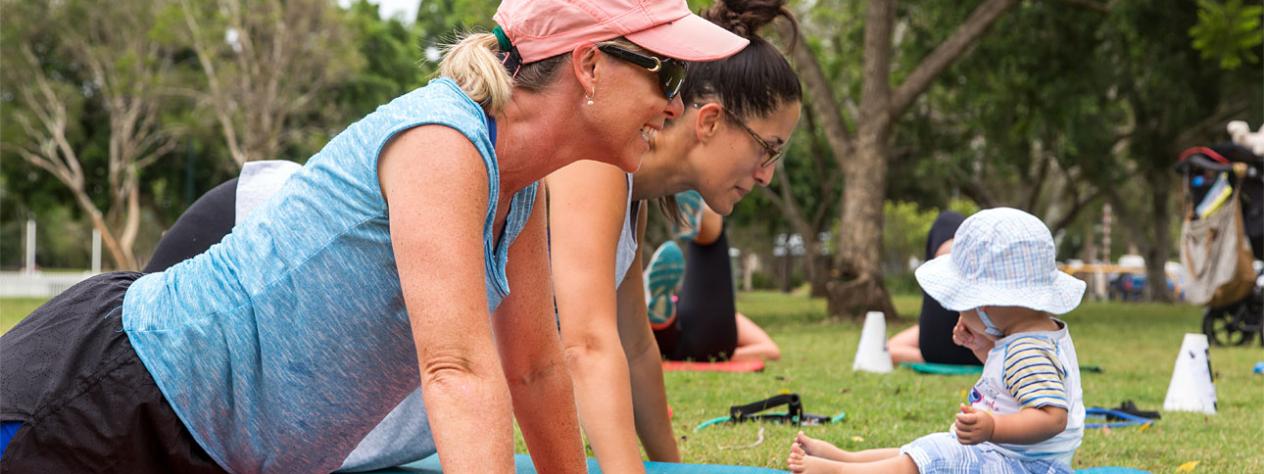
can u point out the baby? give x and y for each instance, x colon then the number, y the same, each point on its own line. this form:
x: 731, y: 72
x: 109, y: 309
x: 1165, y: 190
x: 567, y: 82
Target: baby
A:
x: 1026, y: 413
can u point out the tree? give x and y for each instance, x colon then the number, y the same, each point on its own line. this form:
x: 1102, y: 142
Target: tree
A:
x: 805, y: 193
x: 69, y: 56
x: 1176, y: 99
x: 864, y: 155
x: 1011, y: 126
x: 1228, y: 32
x: 264, y: 63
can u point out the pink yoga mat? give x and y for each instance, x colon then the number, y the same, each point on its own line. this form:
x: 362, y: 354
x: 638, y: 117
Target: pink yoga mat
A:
x: 748, y: 365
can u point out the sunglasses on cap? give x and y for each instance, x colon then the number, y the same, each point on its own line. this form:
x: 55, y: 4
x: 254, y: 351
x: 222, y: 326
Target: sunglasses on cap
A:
x: 671, y: 73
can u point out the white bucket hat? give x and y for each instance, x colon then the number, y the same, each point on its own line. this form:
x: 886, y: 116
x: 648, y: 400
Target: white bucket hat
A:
x: 1001, y: 257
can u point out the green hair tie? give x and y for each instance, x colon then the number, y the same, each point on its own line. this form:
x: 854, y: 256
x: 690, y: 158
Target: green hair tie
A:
x: 502, y: 39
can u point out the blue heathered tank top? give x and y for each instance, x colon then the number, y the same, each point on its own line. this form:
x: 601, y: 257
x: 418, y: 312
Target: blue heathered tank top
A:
x: 283, y: 346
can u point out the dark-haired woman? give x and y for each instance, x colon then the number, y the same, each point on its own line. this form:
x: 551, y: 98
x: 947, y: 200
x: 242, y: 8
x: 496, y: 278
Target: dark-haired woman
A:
x: 378, y: 277
x: 739, y: 113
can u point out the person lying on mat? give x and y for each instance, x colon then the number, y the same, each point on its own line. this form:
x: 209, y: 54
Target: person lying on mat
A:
x: 739, y: 113
x: 1026, y: 412
x: 690, y: 297
x: 930, y: 340
x: 379, y: 269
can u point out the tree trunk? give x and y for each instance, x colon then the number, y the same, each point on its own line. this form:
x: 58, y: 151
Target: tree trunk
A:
x: 858, y: 273
x: 1160, y: 183
x: 123, y: 259
x: 856, y: 278
x: 864, y: 189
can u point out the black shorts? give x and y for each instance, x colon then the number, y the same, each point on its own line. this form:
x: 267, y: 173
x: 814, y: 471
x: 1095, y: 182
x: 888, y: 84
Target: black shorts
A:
x: 85, y: 400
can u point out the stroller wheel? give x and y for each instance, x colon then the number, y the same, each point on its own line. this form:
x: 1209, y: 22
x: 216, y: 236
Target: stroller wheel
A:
x: 1224, y: 327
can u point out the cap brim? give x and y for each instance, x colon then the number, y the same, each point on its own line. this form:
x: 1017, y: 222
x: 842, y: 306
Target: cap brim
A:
x: 940, y: 280
x: 690, y: 38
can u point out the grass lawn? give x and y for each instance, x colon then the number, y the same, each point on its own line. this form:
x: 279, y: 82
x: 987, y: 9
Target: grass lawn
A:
x: 12, y: 310
x: 1135, y: 344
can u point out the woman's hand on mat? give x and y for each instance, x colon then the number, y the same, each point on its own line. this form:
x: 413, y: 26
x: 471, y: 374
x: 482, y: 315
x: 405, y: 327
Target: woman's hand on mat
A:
x: 974, y: 427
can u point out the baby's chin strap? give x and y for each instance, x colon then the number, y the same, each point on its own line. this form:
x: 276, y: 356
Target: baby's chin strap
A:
x: 988, y: 327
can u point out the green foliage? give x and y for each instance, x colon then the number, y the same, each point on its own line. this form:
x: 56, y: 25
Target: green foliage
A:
x: 394, y: 61
x: 1228, y: 32
x: 906, y: 227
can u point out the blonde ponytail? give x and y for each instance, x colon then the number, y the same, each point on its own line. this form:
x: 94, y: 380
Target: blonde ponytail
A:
x: 473, y: 64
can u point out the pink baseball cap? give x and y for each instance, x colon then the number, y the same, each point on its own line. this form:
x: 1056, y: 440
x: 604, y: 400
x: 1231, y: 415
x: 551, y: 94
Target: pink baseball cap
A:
x: 541, y: 29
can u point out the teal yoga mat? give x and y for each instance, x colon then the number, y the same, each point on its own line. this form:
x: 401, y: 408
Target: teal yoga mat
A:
x: 430, y: 465
x: 943, y: 369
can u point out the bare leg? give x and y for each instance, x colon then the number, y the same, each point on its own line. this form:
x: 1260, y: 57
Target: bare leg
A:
x: 800, y: 462
x: 753, y: 342
x: 823, y: 449
x: 904, y: 346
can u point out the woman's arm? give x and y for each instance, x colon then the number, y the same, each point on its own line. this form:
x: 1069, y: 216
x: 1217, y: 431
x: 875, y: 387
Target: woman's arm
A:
x: 436, y: 225
x: 649, y: 395
x: 531, y: 354
x: 587, y: 203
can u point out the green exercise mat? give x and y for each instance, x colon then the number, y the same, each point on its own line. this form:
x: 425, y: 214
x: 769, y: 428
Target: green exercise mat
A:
x: 943, y: 369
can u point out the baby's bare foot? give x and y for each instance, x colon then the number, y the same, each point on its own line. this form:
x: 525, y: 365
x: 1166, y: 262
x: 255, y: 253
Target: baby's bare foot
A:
x: 819, y: 448
x: 815, y: 465
x: 795, y: 462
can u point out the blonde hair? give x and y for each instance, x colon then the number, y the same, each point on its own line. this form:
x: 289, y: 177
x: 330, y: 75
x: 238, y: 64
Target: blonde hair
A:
x: 473, y: 64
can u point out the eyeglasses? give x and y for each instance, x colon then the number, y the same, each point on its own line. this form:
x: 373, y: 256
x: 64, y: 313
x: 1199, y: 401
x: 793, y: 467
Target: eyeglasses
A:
x: 671, y: 73
x: 774, y: 153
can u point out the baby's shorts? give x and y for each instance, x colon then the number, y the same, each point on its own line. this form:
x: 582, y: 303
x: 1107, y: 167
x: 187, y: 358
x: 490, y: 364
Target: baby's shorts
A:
x: 941, y: 452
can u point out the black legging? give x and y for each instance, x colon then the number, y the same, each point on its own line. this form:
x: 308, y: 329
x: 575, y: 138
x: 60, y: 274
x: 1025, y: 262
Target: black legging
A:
x: 935, y: 322
x: 706, y: 314
x: 204, y: 224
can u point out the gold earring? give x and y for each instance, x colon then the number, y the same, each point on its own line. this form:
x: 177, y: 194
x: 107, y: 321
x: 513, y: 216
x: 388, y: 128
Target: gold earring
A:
x: 589, y: 98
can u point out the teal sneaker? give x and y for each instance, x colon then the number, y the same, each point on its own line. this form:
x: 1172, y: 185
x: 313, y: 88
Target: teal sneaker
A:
x: 690, y: 204
x: 662, y: 277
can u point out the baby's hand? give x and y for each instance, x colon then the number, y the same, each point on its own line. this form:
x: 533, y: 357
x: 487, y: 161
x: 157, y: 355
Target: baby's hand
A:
x: 964, y: 337
x: 974, y: 427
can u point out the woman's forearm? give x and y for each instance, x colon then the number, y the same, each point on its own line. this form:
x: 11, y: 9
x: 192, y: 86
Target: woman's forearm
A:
x: 545, y: 408
x: 649, y: 400
x: 453, y: 391
x: 600, y: 377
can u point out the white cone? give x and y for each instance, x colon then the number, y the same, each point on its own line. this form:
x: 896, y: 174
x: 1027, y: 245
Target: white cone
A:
x: 872, y: 355
x: 1191, y: 388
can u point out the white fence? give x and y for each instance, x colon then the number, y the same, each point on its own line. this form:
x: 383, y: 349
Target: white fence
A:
x: 37, y: 284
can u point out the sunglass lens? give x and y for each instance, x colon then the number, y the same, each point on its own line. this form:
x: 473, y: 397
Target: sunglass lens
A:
x: 672, y: 76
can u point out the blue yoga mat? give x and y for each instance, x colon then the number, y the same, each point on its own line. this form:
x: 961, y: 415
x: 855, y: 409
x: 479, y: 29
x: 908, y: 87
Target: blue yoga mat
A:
x: 430, y: 465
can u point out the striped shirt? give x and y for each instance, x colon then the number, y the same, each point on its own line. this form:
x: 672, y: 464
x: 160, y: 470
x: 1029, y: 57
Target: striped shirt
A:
x: 1033, y: 375
x: 1034, y: 370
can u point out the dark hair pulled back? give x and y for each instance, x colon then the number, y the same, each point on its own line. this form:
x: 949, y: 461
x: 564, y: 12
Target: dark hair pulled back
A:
x: 751, y: 83
x: 756, y: 80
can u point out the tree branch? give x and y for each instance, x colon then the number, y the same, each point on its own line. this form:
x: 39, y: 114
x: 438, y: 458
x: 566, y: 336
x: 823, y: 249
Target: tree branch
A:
x: 826, y: 109
x: 943, y: 56
x: 1089, y: 5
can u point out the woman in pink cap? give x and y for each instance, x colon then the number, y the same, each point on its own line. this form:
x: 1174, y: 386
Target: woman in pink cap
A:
x: 378, y: 269
x: 739, y: 114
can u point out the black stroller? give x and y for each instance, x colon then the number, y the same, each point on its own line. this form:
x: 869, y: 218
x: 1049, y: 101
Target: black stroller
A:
x: 1212, y: 178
